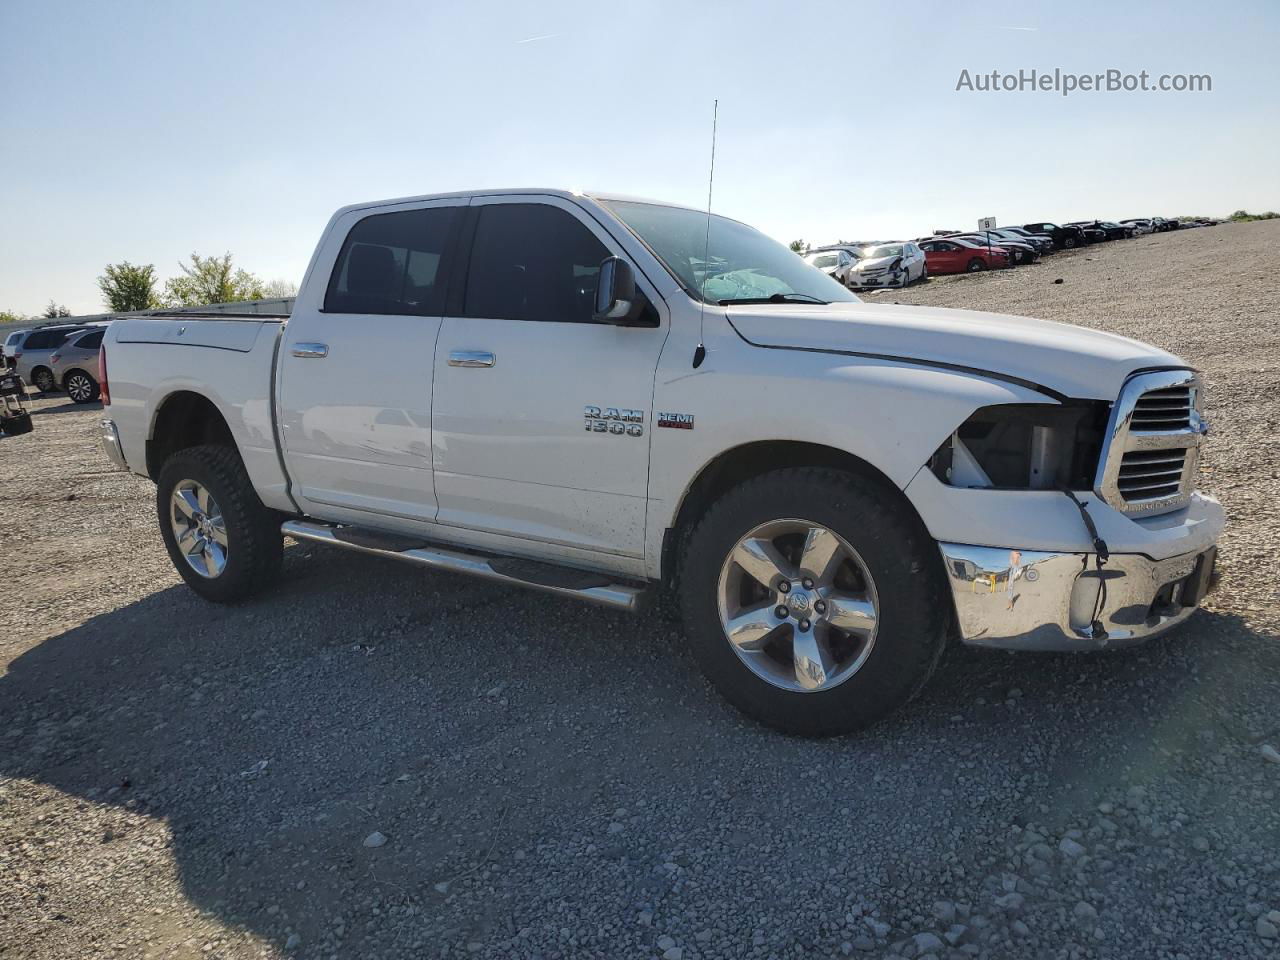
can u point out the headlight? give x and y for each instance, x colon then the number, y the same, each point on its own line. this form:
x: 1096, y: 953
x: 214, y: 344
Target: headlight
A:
x: 1025, y: 447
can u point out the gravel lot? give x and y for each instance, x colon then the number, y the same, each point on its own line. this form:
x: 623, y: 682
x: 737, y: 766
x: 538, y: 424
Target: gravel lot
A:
x: 374, y: 762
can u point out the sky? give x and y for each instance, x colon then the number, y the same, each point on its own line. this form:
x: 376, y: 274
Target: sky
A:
x: 148, y: 131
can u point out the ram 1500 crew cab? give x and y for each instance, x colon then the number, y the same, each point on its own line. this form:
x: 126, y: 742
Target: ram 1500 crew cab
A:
x: 604, y: 397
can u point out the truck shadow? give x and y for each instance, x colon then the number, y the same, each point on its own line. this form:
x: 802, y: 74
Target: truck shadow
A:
x: 465, y: 722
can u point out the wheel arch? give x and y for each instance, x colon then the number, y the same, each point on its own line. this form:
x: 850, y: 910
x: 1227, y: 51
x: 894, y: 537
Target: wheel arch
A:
x: 184, y: 419
x: 738, y: 464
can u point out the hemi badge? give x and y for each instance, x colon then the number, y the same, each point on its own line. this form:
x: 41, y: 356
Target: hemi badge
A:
x: 676, y: 421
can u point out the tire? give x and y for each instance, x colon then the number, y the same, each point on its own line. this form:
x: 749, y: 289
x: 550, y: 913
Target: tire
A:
x: 81, y: 387
x: 42, y: 380
x: 900, y: 576
x: 16, y: 425
x: 1068, y: 243
x: 924, y: 273
x: 975, y: 265
x: 251, y: 544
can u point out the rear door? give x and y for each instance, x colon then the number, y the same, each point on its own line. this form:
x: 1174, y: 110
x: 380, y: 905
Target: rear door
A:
x: 542, y: 416
x: 356, y: 365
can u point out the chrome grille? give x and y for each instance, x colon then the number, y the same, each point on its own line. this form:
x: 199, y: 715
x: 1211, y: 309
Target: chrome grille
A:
x: 1151, y: 475
x: 1148, y: 464
x: 1167, y: 409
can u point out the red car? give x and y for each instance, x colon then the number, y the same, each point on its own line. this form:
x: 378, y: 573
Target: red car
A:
x: 961, y: 256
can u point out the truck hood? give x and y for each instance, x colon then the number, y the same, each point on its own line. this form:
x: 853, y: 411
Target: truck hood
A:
x: 1073, y: 361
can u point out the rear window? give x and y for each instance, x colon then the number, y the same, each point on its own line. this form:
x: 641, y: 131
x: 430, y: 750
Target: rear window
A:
x: 45, y: 339
x: 391, y: 264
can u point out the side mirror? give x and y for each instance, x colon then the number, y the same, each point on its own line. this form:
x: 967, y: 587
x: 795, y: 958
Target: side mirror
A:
x: 617, y: 300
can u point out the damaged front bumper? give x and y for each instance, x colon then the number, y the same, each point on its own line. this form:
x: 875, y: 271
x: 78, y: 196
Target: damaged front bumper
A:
x: 1036, y: 600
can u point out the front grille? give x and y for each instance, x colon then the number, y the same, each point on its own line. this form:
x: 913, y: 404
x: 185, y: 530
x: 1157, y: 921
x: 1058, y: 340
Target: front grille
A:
x: 1153, y: 442
x: 1151, y: 475
x: 1160, y: 410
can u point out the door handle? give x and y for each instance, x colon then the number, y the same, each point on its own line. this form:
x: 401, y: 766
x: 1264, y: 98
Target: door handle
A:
x: 313, y: 350
x: 472, y: 358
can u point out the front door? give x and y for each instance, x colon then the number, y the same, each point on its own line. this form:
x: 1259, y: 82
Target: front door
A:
x: 357, y: 363
x: 542, y: 417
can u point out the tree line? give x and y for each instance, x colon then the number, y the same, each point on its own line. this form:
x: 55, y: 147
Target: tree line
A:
x: 127, y: 286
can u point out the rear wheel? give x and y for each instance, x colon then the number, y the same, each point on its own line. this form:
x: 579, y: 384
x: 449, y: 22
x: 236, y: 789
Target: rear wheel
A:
x: 811, y: 599
x: 224, y: 543
x: 81, y: 387
x: 42, y: 379
x: 975, y: 265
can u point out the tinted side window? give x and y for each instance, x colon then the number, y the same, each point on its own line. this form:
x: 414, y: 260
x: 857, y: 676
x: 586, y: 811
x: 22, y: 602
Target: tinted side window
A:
x: 390, y: 263
x: 44, y: 339
x: 531, y: 261
x: 90, y: 341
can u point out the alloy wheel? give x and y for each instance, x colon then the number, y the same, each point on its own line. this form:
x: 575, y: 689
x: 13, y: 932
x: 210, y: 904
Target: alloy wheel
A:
x: 44, y: 381
x: 79, y: 388
x: 198, y: 528
x: 798, y: 605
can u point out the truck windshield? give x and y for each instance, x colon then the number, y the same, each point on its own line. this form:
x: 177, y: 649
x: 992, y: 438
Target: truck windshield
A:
x: 738, y: 263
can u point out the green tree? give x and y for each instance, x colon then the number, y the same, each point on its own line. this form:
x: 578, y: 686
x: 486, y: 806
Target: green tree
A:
x: 798, y: 246
x: 212, y: 280
x: 55, y: 310
x: 9, y: 317
x: 127, y: 287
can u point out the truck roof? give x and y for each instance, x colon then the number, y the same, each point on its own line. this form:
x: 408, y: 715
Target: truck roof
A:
x: 508, y: 191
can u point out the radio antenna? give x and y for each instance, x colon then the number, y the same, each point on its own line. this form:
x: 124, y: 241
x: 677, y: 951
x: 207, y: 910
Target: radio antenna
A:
x: 700, y: 353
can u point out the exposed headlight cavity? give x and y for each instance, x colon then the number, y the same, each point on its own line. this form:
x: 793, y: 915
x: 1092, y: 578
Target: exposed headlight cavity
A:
x: 1025, y: 447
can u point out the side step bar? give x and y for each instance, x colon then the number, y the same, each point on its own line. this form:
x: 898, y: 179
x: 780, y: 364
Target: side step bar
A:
x: 565, y: 581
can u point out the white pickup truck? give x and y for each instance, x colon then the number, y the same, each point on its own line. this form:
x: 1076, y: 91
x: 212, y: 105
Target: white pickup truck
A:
x: 606, y: 398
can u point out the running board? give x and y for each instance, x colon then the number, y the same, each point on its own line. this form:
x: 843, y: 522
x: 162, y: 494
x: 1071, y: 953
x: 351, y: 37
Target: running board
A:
x: 565, y: 581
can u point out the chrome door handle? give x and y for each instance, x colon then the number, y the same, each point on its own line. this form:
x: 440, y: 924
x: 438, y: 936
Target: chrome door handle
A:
x: 472, y: 358
x: 315, y: 350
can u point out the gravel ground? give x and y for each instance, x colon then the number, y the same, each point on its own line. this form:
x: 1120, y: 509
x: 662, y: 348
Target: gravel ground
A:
x: 373, y: 762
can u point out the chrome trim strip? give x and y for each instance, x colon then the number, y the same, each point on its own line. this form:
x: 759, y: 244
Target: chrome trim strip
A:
x: 1041, y: 600
x: 619, y: 596
x: 1123, y: 436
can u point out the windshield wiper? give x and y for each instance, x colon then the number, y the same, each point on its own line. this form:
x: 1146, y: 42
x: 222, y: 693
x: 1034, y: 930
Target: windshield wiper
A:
x: 775, y: 298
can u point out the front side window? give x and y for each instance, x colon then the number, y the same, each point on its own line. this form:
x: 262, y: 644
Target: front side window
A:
x: 729, y: 262
x: 532, y: 261
x: 390, y: 264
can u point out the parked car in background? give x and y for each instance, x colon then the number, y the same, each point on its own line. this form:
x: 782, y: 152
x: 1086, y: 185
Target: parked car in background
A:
x: 947, y: 255
x: 1064, y: 238
x: 834, y: 263
x: 1021, y: 250
x: 75, y: 365
x: 1162, y: 225
x: 1043, y: 243
x: 889, y: 265
x: 10, y: 348
x: 1098, y: 230
x: 33, y: 354
x: 1140, y: 227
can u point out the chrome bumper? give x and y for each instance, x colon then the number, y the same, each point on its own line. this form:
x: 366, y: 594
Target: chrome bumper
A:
x: 1033, y: 600
x: 111, y: 445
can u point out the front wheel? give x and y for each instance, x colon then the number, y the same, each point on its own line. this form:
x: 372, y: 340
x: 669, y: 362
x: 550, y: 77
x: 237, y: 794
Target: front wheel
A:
x: 812, y: 599
x: 976, y: 265
x: 224, y: 543
x: 1069, y: 243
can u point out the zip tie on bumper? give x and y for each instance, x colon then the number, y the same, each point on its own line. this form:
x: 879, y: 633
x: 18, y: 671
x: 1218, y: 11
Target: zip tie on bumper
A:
x: 1102, y: 554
